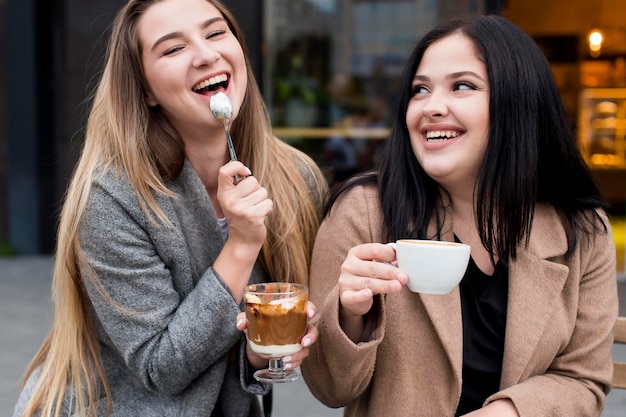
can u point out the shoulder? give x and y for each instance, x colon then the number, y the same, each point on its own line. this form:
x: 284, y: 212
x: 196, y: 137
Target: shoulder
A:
x: 107, y: 183
x: 358, y: 206
x: 310, y: 173
x: 304, y: 163
x: 112, y: 200
x: 551, y: 231
x: 363, y: 194
x: 110, y: 189
x: 307, y: 167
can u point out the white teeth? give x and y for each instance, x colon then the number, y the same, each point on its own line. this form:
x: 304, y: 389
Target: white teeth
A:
x: 211, y: 81
x: 441, y: 135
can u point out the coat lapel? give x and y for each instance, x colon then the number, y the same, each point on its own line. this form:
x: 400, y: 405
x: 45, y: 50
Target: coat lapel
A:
x: 196, y: 221
x: 535, y: 281
x: 445, y: 314
x: 445, y: 310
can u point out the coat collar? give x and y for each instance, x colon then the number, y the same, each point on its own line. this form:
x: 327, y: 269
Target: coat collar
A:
x: 534, y: 281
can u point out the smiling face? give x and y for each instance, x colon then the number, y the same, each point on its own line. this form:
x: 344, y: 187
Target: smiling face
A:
x: 189, y: 53
x: 448, y: 114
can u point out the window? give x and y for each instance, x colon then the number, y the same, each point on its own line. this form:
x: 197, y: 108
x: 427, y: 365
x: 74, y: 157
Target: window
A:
x: 332, y: 69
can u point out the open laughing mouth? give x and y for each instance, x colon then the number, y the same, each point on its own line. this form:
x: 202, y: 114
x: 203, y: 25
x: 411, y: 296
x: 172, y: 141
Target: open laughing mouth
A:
x: 217, y: 83
x: 440, y: 136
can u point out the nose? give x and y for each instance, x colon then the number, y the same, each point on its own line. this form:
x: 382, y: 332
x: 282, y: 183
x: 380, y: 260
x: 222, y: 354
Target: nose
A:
x: 435, y: 106
x: 204, y: 54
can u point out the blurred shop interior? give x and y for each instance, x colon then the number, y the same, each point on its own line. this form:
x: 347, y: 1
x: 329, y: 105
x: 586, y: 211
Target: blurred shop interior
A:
x: 328, y: 69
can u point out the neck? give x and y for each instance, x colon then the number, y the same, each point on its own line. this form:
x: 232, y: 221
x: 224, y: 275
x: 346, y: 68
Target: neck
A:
x: 466, y: 229
x: 207, y: 159
x: 462, y: 204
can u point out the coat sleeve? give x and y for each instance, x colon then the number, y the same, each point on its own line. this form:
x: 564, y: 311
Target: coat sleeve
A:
x: 579, y: 377
x: 337, y: 371
x: 165, y: 337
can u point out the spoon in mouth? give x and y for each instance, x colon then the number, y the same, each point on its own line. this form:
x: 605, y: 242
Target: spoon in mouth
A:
x: 222, y: 109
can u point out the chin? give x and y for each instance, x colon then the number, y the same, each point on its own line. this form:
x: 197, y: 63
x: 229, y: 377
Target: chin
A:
x: 438, y: 173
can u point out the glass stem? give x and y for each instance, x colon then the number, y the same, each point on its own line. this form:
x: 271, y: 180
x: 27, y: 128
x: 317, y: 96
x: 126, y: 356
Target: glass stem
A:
x: 276, y: 366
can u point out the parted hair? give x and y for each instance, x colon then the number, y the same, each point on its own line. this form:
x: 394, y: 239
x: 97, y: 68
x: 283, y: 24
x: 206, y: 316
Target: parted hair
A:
x: 531, y: 156
x: 126, y: 135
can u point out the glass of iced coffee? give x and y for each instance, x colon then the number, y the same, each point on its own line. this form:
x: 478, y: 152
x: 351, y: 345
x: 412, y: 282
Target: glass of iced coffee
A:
x: 276, y: 314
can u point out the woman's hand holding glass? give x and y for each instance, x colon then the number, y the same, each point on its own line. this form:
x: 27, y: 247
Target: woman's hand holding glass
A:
x: 292, y: 361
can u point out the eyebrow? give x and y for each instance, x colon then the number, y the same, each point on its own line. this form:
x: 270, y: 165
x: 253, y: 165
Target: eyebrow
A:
x: 452, y: 76
x: 174, y: 35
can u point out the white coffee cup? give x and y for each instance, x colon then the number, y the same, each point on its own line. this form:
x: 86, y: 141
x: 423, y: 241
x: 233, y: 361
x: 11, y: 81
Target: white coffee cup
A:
x: 433, y: 267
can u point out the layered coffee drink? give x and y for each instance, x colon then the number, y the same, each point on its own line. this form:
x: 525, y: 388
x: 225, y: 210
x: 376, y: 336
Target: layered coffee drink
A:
x: 276, y: 314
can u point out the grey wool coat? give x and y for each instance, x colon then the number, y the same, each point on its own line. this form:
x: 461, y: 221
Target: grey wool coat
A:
x: 170, y: 346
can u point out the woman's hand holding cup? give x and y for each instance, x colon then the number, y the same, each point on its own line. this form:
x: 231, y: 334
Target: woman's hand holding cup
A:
x: 367, y: 270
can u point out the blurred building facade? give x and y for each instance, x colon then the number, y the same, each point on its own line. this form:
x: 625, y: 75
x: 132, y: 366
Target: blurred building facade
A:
x: 328, y: 70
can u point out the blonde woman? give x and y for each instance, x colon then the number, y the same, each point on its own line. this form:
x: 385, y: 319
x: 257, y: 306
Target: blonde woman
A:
x: 157, y: 239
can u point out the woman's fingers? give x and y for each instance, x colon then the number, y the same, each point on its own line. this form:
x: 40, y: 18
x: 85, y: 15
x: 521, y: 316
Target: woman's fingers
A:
x: 373, y: 251
x: 369, y: 267
x: 368, y: 270
x: 310, y: 337
x: 242, y: 322
x: 246, y: 199
x: 310, y: 310
x: 295, y: 360
x: 245, y: 204
x: 228, y: 172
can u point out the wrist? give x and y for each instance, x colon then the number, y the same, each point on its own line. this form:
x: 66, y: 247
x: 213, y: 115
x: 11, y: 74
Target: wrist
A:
x: 242, y: 251
x: 351, y: 324
x: 234, y: 265
x: 254, y: 360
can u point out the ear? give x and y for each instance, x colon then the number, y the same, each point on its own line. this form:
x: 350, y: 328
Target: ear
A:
x: 150, y: 100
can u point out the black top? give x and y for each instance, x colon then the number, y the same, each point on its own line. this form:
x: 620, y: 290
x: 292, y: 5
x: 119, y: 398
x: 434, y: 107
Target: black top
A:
x: 483, y: 305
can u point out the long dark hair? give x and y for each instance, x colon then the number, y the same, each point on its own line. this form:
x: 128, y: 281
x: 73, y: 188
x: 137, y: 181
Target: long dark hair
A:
x: 531, y: 156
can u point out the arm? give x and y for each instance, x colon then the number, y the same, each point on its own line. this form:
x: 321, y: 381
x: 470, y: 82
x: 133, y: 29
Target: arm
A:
x: 166, y: 330
x: 245, y: 205
x: 341, y: 363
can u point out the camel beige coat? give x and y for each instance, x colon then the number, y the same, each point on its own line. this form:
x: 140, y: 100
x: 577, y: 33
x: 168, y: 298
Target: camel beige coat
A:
x: 557, y: 358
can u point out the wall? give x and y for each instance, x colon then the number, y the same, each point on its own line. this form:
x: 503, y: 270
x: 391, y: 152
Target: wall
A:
x: 571, y: 17
x: 4, y: 151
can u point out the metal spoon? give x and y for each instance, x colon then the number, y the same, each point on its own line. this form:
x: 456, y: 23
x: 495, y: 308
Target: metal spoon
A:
x: 222, y: 109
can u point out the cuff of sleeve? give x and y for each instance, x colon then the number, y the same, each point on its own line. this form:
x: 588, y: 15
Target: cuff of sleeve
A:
x: 221, y: 281
x: 248, y: 382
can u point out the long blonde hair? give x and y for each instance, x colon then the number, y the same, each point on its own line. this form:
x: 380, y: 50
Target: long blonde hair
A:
x: 123, y: 133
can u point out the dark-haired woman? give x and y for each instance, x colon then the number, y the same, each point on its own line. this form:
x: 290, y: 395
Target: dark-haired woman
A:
x: 480, y: 152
